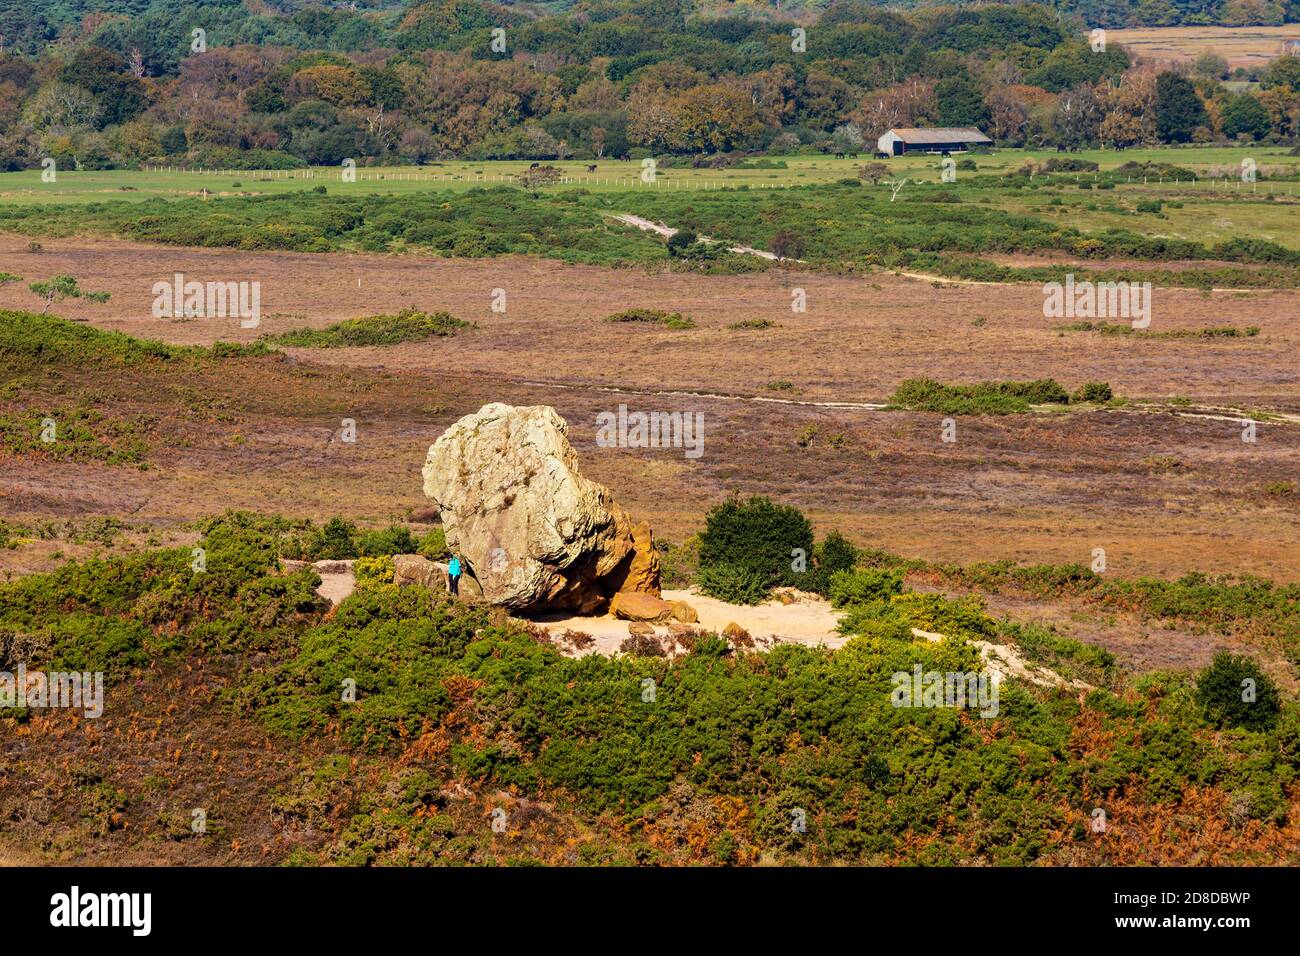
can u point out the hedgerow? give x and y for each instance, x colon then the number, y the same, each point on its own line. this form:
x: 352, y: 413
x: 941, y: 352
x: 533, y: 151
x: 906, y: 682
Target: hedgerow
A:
x: 984, y: 398
x: 408, y: 325
x: 29, y: 338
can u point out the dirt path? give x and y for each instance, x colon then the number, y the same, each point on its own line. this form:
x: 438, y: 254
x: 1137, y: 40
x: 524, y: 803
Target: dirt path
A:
x: 668, y: 232
x: 337, y: 578
x: 718, y: 396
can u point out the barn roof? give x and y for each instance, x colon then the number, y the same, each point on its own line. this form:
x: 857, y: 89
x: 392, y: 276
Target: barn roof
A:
x: 957, y: 134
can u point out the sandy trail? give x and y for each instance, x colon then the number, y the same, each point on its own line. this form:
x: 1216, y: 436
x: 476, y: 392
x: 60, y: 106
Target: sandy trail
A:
x: 668, y: 232
x: 337, y: 578
x: 687, y: 393
x: 1205, y: 412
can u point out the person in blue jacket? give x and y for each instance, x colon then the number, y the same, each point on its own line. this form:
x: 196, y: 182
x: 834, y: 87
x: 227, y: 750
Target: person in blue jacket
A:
x: 453, y: 574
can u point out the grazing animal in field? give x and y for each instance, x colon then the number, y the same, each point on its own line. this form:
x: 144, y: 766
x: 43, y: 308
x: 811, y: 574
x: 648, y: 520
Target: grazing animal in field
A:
x: 879, y: 155
x: 591, y: 168
x: 534, y: 165
x: 839, y: 155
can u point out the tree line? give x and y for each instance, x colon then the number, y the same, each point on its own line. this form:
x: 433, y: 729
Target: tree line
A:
x: 210, y: 83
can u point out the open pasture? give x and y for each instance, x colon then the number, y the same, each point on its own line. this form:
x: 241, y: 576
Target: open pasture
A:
x: 85, y: 186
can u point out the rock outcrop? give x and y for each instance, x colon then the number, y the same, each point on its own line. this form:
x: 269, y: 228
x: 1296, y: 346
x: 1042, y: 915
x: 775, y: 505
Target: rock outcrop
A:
x: 684, y: 613
x: 528, y: 527
x: 735, y: 632
x: 417, y: 569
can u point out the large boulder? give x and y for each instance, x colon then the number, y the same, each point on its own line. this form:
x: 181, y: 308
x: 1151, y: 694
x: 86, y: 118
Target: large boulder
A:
x: 528, y: 527
x: 635, y: 606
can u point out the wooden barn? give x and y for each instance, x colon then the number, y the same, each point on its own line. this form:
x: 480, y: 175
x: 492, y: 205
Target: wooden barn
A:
x: 938, y: 140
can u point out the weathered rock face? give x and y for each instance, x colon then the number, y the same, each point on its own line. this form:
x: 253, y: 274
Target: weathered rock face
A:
x: 532, y: 531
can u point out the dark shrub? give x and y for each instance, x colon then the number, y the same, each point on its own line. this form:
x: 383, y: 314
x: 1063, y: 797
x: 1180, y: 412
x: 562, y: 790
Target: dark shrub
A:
x: 382, y: 541
x: 1094, y: 392
x: 836, y: 553
x: 335, y: 541
x: 1223, y: 693
x: 680, y: 241
x: 433, y: 545
x: 757, y: 535
x: 1070, y: 164
x: 786, y: 244
x: 669, y: 320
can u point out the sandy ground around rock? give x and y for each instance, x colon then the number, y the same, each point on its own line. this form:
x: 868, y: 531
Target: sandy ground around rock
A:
x: 811, y: 621
x: 336, y: 587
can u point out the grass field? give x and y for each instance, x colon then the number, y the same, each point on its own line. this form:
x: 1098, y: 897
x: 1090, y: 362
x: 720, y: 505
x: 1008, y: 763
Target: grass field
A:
x: 1240, y: 46
x: 609, y: 175
x: 1172, y: 217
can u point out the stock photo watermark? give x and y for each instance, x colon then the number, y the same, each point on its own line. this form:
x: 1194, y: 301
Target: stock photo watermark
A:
x: 62, y: 690
x: 191, y: 299
x: 656, y: 429
x: 1098, y: 300
x: 969, y: 690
